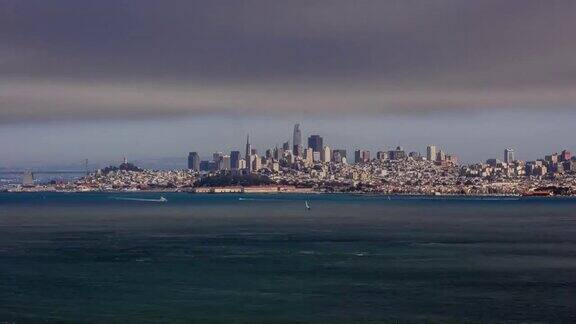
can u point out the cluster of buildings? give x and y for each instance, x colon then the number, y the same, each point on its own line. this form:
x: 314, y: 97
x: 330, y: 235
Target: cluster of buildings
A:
x: 318, y: 167
x: 298, y: 157
x: 136, y: 180
x: 251, y: 161
x: 403, y: 175
x: 553, y: 165
x: 393, y: 172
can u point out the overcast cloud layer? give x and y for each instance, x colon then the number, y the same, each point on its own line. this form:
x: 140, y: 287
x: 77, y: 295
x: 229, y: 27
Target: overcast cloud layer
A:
x: 120, y: 59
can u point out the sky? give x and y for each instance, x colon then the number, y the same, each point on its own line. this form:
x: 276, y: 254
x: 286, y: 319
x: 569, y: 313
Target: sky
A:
x: 154, y: 79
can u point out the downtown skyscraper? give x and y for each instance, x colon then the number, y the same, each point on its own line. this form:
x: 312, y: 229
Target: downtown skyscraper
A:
x: 193, y: 161
x: 235, y: 160
x: 297, y: 141
x: 316, y: 142
x: 431, y: 153
x: 248, y: 154
x: 509, y: 155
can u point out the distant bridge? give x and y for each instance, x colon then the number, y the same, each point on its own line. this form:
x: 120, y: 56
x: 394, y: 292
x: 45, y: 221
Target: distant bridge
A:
x: 46, y: 172
x: 63, y: 171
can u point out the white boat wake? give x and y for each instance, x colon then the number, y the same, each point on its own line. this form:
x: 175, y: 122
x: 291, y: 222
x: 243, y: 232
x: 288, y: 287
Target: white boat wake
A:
x: 160, y: 200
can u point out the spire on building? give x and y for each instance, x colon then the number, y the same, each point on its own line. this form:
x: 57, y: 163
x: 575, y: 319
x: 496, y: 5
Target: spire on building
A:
x: 248, y: 153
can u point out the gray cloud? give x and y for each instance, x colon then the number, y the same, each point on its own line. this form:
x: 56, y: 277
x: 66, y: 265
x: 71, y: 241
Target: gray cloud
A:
x: 120, y: 59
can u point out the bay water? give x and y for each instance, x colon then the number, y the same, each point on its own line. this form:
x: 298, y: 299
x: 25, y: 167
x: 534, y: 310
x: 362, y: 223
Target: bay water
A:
x: 97, y: 257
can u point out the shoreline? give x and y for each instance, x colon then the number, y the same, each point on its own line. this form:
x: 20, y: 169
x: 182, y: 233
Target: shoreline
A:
x: 359, y: 194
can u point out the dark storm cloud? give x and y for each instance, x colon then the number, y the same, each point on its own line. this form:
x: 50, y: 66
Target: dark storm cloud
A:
x: 103, y: 58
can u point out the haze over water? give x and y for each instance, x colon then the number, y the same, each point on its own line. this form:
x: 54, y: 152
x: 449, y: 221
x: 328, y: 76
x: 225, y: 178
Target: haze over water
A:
x: 91, y: 258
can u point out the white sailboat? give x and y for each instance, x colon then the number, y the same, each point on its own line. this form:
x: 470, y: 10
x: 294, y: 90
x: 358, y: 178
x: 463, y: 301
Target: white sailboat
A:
x: 307, y: 205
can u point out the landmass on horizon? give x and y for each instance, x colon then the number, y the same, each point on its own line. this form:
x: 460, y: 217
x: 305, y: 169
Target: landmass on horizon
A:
x: 321, y: 169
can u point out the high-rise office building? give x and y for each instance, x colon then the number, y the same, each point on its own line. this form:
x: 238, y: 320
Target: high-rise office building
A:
x: 431, y: 153
x: 316, y: 156
x: 217, y: 160
x: 553, y: 158
x: 565, y: 156
x: 216, y: 156
x: 205, y: 166
x: 397, y: 154
x: 440, y: 156
x: 235, y: 160
x: 382, y: 155
x: 241, y: 164
x: 326, y: 155
x: 286, y: 146
x: 492, y: 162
x: 275, y: 153
x: 366, y: 156
x: 278, y: 153
x: 297, y: 141
x: 338, y: 155
x: 256, y: 162
x: 250, y: 163
x: 452, y: 159
x: 361, y: 156
x: 557, y: 168
x: 289, y: 157
x: 309, y: 156
x: 316, y: 142
x: 193, y: 161
x: 509, y: 155
x: 225, y: 162
x: 568, y: 165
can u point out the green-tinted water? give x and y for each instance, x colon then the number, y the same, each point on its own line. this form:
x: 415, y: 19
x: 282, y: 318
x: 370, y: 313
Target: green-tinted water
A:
x: 95, y: 258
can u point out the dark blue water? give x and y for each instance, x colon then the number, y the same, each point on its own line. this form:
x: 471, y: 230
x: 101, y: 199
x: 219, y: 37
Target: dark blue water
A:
x: 215, y: 258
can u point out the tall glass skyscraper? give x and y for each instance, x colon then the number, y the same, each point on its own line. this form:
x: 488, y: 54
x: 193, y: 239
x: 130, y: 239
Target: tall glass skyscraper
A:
x: 297, y: 141
x: 235, y: 160
x: 193, y: 161
x: 431, y: 153
x: 316, y: 143
x: 509, y: 155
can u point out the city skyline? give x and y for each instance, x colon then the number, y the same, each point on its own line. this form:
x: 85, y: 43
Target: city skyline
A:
x: 316, y: 151
x: 318, y: 168
x: 344, y: 134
